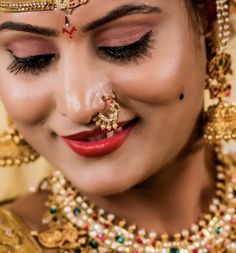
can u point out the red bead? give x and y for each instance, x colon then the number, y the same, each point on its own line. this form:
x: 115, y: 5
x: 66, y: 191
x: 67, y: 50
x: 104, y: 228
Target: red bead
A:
x: 232, y: 222
x: 101, y: 238
x: 139, y: 240
x: 86, y: 227
x: 154, y: 243
x: 95, y: 217
x: 106, y: 225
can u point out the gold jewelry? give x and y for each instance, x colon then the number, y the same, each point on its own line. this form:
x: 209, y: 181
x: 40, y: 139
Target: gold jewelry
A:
x: 221, y: 116
x: 44, y: 5
x: 221, y: 122
x: 110, y: 120
x: 75, y: 225
x: 14, y: 150
x: 40, y: 5
x: 14, y: 236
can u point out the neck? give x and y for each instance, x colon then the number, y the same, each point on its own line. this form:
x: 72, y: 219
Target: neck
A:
x: 172, y: 199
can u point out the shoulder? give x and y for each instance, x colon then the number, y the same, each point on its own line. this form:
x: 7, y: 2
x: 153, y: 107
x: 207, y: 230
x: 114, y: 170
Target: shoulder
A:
x: 14, y: 235
x: 30, y: 209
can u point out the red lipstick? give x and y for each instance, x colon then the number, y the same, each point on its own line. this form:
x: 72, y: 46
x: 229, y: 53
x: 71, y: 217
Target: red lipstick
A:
x: 99, y: 142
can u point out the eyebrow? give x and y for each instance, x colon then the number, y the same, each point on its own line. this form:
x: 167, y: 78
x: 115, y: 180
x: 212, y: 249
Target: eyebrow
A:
x: 14, y: 26
x: 124, y: 10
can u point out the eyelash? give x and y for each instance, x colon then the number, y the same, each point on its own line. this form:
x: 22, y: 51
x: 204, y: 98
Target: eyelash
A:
x: 32, y: 64
x: 130, y: 52
x: 36, y: 64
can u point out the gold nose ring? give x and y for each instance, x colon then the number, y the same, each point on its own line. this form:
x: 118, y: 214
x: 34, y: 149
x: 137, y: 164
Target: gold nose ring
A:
x: 108, y: 120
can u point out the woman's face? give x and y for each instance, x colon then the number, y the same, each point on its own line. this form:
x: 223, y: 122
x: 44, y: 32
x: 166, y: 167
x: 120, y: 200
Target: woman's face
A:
x: 146, y: 52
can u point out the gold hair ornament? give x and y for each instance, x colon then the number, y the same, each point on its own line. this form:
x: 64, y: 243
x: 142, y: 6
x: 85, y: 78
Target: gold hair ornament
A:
x: 40, y: 5
x: 221, y: 116
x: 109, y: 120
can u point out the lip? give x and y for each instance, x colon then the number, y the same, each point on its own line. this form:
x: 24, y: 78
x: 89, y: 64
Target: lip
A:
x: 79, y: 142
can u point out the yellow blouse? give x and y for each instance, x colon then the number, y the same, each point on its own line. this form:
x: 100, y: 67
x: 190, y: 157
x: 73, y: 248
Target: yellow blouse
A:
x: 14, y: 236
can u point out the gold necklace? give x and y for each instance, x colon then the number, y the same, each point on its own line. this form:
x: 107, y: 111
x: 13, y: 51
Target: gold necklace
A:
x: 77, y: 226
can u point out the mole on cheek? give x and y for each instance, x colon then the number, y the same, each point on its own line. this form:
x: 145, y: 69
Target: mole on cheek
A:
x: 181, y: 96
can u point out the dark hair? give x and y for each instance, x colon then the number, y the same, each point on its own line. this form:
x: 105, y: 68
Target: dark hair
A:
x: 202, y: 12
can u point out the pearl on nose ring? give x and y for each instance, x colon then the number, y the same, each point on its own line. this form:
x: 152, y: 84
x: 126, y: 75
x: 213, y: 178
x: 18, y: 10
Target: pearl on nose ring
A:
x: 108, y: 120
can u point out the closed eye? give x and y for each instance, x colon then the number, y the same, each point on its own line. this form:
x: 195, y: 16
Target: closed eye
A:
x: 32, y: 64
x: 127, y: 52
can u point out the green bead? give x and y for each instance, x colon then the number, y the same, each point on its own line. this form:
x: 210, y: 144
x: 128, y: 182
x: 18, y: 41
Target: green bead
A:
x: 77, y: 211
x: 218, y: 230
x: 93, y: 244
x: 117, y: 107
x: 174, y: 250
x: 120, y: 239
x: 53, y: 210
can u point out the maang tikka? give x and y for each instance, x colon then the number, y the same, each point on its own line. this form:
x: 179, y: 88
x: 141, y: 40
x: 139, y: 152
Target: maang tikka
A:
x: 45, y: 5
x: 220, y: 118
x: 41, y: 5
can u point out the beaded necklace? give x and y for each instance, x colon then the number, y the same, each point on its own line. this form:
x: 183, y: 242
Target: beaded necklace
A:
x: 77, y: 226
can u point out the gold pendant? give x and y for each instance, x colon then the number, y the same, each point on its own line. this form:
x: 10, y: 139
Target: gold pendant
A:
x: 66, y: 237
x: 69, y: 5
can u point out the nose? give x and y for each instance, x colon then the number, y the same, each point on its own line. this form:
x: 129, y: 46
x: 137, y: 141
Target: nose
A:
x: 82, y: 86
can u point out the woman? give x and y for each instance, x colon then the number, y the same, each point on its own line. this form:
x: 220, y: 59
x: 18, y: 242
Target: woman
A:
x: 111, y: 93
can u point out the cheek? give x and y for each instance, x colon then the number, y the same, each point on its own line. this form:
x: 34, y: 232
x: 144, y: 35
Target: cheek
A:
x: 26, y: 101
x: 172, y: 69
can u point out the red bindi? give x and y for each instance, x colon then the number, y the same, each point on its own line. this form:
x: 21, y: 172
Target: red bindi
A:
x: 68, y: 29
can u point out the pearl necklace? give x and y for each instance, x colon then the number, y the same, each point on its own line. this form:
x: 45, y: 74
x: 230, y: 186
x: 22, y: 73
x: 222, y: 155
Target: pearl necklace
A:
x: 77, y: 226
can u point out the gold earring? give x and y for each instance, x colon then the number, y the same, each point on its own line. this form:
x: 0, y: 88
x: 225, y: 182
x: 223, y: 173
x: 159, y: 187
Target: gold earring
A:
x: 108, y: 121
x: 14, y: 150
x: 220, y: 118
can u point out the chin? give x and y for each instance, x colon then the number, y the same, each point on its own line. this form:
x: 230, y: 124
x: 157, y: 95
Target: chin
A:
x: 102, y: 186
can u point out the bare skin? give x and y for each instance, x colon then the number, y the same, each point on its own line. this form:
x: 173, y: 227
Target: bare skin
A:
x: 168, y: 177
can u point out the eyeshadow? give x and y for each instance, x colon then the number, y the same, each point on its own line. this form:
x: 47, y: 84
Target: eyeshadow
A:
x: 121, y: 35
x: 30, y: 46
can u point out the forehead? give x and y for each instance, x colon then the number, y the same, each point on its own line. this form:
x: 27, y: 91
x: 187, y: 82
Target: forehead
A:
x: 92, y: 5
x: 89, y: 15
